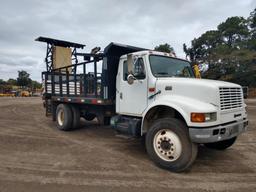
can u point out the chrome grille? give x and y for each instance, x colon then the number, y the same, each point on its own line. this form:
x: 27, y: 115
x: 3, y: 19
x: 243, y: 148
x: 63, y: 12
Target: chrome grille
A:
x: 230, y: 97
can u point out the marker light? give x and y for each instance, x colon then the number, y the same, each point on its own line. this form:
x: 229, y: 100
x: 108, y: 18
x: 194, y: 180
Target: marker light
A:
x: 197, y: 117
x: 203, y: 117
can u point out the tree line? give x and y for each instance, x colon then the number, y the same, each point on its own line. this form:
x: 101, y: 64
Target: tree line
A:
x: 23, y: 80
x: 229, y: 51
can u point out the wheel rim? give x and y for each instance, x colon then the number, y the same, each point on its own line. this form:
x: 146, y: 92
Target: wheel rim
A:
x: 60, y: 117
x: 167, y: 145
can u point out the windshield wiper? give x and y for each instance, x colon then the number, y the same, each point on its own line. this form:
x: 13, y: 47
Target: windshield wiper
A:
x: 163, y: 74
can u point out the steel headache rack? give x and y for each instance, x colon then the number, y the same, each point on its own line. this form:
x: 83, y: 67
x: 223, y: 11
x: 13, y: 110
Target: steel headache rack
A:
x: 68, y: 78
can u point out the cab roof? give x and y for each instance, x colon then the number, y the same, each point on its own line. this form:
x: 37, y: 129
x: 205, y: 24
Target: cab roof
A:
x: 152, y: 52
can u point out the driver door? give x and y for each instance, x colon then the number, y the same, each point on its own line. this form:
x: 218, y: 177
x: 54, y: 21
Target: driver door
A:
x: 133, y: 97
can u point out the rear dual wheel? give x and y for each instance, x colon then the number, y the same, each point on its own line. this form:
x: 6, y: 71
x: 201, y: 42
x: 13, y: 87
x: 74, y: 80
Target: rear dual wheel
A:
x: 67, y: 117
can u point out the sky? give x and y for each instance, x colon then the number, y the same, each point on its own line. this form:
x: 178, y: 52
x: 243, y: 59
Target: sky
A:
x: 142, y: 23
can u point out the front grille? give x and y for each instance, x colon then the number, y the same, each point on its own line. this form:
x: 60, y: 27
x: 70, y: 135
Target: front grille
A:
x: 230, y: 97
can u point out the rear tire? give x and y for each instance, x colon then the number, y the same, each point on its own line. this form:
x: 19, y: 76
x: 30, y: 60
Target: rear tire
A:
x: 76, y: 117
x: 221, y: 145
x: 169, y: 146
x: 64, y: 117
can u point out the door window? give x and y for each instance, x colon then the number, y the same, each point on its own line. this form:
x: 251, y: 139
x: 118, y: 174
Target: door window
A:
x: 138, y: 69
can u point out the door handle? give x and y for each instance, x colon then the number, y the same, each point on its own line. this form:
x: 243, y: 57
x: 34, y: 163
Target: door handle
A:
x: 121, y: 95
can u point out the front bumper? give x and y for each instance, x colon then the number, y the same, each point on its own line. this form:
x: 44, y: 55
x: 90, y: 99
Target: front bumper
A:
x: 217, y: 133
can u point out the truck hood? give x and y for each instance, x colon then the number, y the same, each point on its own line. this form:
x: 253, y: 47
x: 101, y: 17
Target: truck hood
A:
x: 200, y: 89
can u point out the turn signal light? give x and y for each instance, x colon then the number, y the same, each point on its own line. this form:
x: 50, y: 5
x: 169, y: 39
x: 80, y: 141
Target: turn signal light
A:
x: 197, y: 117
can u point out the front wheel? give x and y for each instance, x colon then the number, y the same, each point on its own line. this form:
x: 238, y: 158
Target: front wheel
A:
x: 221, y: 145
x: 169, y: 146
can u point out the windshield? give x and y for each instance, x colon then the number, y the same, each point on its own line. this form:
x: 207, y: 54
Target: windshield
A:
x: 162, y: 66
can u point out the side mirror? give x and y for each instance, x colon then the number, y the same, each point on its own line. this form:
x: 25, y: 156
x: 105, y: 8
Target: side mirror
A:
x: 130, y: 79
x: 130, y: 63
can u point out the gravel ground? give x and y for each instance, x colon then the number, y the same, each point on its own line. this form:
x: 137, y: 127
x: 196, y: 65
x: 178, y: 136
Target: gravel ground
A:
x: 35, y: 156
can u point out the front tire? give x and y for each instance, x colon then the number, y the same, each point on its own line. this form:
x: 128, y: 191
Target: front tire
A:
x: 221, y: 145
x: 64, y: 117
x: 169, y: 146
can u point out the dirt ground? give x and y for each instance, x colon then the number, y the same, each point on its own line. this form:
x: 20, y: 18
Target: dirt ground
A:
x: 35, y: 156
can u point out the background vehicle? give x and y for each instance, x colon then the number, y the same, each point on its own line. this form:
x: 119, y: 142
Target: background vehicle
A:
x: 24, y: 94
x: 143, y: 93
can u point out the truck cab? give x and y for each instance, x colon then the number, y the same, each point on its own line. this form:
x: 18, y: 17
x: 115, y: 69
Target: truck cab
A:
x: 162, y: 91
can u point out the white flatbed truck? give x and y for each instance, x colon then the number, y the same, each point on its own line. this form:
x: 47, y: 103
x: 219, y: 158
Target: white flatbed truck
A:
x: 144, y: 93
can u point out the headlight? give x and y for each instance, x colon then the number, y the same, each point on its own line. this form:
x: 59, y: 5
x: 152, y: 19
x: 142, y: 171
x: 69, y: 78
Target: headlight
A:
x: 203, y: 117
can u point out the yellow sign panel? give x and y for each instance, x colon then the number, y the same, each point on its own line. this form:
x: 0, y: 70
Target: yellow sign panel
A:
x: 61, y: 57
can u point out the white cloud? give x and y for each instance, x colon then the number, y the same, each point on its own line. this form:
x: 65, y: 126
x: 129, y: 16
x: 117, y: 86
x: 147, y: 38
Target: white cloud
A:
x: 144, y: 23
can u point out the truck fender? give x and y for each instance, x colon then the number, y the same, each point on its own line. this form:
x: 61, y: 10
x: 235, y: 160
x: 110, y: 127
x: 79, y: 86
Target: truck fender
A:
x: 180, y: 104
